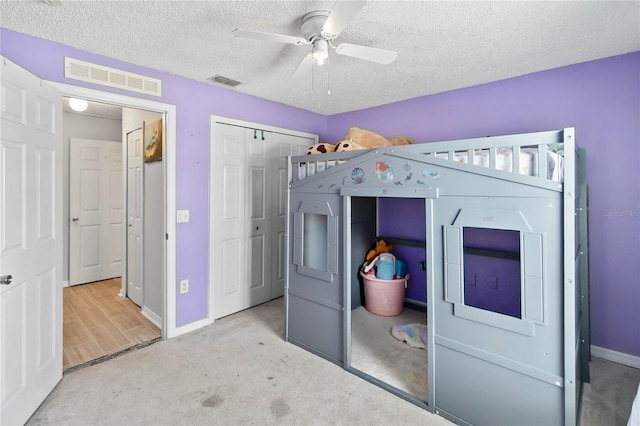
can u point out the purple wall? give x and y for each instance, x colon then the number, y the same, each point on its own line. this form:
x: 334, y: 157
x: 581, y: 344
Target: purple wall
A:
x: 393, y: 216
x: 601, y: 99
x: 195, y: 102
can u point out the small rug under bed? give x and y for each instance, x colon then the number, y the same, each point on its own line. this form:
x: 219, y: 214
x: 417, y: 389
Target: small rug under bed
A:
x: 414, y: 334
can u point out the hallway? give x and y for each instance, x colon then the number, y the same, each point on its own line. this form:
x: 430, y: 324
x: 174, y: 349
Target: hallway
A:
x: 98, y: 322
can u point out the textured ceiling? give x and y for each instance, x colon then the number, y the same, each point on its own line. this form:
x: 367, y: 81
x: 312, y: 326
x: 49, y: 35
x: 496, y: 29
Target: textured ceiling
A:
x: 441, y: 45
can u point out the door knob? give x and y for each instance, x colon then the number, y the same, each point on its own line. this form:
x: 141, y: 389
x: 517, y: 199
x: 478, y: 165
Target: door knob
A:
x: 75, y: 218
x: 5, y: 279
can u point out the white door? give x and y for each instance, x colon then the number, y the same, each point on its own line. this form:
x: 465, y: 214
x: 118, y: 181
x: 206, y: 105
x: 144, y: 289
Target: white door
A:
x: 30, y: 242
x: 283, y: 146
x: 95, y: 210
x: 135, y: 193
x: 228, y: 268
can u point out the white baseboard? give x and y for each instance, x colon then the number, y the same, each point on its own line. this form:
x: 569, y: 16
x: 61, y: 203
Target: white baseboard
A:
x: 615, y: 356
x: 65, y: 283
x: 176, y: 331
x: 152, y: 316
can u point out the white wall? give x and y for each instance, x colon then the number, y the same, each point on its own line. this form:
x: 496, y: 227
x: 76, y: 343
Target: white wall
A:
x: 84, y: 127
x: 153, y: 218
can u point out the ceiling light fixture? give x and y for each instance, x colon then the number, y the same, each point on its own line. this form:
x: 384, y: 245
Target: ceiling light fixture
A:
x: 320, y: 51
x: 78, y: 104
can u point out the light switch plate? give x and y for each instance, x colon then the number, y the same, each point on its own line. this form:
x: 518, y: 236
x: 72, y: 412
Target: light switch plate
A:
x: 182, y: 216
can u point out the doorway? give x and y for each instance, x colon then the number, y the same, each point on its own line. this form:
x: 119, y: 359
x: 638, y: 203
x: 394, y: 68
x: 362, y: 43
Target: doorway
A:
x: 168, y: 291
x: 108, y: 312
x: 389, y: 346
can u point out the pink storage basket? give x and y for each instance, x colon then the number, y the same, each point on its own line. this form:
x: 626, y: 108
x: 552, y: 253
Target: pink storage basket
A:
x: 384, y: 297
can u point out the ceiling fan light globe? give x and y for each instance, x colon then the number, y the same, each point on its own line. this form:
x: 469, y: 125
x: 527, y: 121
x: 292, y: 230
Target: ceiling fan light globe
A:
x: 320, y: 51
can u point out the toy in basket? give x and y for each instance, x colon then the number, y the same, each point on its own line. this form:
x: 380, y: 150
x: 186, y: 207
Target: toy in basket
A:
x: 384, y: 289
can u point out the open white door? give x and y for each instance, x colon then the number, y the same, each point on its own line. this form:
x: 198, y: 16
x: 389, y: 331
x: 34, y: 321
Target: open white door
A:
x: 95, y: 207
x: 135, y: 203
x: 30, y: 242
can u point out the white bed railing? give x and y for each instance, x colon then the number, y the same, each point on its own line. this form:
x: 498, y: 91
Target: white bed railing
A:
x: 540, y: 155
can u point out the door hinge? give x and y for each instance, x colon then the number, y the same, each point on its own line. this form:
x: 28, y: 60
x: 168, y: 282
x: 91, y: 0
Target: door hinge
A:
x: 166, y: 236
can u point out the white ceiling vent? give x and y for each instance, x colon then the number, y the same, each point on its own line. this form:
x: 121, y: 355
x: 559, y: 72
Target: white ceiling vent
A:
x: 220, y: 79
x: 112, y: 77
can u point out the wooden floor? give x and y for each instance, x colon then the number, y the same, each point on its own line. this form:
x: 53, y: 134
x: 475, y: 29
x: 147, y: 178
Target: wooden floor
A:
x: 98, y: 322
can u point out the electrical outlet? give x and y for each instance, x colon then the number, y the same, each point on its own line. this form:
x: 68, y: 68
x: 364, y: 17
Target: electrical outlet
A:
x: 184, y: 286
x: 182, y: 216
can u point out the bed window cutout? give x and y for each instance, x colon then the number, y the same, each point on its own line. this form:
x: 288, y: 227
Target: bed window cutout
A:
x: 314, y: 241
x: 495, y: 274
x: 315, y: 237
x: 491, y: 259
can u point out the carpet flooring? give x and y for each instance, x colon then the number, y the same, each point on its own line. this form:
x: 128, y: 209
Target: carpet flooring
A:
x: 240, y: 371
x: 237, y: 371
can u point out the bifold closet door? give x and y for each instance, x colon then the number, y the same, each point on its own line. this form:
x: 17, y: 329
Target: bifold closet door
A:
x: 241, y: 255
x: 249, y: 209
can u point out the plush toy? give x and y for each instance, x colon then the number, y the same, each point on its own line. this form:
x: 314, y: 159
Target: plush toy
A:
x: 321, y: 148
x: 401, y: 140
x: 348, y: 146
x: 366, y: 138
x: 381, y: 247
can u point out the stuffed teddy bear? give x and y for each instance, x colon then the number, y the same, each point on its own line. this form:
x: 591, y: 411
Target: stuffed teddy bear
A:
x: 401, y: 140
x: 381, y: 247
x: 366, y: 138
x: 321, y: 148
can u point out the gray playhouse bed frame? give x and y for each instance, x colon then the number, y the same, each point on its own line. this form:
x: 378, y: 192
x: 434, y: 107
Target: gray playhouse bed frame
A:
x: 483, y: 367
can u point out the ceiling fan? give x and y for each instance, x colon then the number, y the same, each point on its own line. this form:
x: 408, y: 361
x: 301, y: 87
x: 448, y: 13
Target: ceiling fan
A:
x: 319, y: 29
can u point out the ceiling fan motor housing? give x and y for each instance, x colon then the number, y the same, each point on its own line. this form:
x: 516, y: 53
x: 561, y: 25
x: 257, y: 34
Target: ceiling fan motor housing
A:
x: 312, y: 24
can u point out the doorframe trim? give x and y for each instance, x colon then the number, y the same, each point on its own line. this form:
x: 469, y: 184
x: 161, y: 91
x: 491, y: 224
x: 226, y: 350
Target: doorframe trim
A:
x: 218, y: 119
x: 169, y: 328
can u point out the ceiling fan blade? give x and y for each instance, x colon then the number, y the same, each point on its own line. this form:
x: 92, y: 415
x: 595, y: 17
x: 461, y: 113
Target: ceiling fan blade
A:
x: 372, y: 54
x: 343, y: 12
x: 304, y: 68
x: 259, y: 35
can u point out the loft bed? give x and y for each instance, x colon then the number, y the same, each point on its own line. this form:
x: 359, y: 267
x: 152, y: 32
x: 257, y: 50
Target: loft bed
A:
x: 535, y: 354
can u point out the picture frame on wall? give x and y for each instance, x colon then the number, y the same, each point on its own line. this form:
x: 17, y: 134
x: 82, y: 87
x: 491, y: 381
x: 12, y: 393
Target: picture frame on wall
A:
x: 152, y: 138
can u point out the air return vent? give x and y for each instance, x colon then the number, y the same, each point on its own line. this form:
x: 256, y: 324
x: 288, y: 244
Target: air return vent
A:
x: 112, y: 77
x: 220, y: 79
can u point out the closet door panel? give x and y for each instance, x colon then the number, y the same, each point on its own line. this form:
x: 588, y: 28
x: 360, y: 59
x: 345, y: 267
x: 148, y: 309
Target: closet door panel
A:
x: 228, y: 266
x: 258, y: 238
